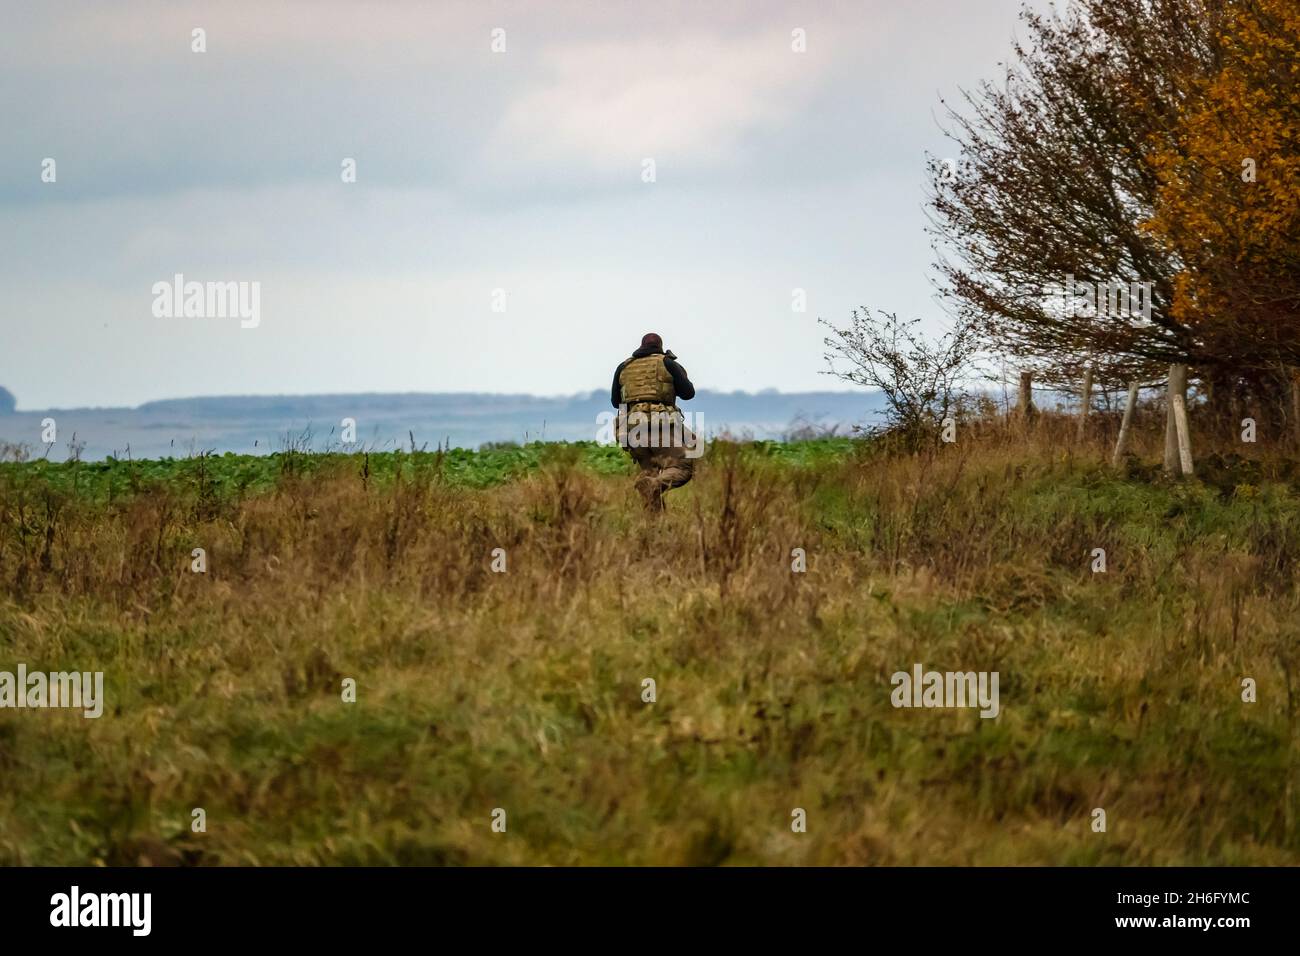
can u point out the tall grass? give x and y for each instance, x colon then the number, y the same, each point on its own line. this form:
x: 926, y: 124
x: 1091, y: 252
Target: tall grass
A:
x: 523, y: 690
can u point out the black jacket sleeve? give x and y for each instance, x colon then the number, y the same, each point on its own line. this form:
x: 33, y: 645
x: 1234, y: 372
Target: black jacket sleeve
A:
x: 616, y: 393
x: 681, y: 384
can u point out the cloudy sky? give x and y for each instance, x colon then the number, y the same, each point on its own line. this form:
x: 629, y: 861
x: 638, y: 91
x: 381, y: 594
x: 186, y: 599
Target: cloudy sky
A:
x: 521, y: 171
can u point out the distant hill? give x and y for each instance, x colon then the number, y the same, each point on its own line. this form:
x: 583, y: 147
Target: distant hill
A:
x: 7, y: 401
x: 263, y: 423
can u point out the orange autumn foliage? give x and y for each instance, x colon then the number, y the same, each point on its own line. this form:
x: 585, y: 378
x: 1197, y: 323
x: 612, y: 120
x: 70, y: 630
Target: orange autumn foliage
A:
x: 1228, y: 203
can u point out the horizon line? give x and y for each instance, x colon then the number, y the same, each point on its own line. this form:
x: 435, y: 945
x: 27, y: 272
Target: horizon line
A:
x: 769, y: 391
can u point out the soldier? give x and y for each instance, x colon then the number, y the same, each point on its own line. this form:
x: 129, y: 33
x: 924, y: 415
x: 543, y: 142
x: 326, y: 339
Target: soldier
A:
x: 650, y: 426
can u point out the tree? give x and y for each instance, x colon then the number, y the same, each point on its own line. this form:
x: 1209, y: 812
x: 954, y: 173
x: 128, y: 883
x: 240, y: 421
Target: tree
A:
x: 1054, y: 185
x: 1228, y: 204
x: 919, y: 379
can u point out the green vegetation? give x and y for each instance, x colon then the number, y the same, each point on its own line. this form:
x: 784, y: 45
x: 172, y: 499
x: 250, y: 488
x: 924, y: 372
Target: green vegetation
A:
x: 523, y: 690
x: 232, y: 476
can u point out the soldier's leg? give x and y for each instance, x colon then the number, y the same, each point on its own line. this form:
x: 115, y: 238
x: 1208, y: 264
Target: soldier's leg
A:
x: 668, y: 463
x: 674, y: 470
x: 678, y: 463
x: 677, y: 473
x: 647, y: 482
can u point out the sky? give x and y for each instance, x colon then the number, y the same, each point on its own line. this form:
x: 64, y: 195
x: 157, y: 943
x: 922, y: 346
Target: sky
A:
x: 504, y: 232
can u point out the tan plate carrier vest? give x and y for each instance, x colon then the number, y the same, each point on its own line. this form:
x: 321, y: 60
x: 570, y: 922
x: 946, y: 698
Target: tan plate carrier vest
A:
x: 647, y: 380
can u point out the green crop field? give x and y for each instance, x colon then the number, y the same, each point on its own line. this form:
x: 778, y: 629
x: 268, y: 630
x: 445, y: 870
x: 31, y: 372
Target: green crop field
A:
x: 501, y: 613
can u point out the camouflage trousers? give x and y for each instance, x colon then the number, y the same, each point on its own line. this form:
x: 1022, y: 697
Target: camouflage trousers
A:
x: 659, y: 442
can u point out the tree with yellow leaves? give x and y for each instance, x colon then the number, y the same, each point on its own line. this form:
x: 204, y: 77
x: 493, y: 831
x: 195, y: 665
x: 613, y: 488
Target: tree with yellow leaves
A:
x: 1228, y: 204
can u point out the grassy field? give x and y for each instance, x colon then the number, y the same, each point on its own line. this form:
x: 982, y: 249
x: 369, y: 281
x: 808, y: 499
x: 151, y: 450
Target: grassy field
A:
x: 522, y: 690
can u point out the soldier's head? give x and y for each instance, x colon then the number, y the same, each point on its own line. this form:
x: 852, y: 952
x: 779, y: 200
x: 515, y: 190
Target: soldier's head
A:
x: 651, y: 340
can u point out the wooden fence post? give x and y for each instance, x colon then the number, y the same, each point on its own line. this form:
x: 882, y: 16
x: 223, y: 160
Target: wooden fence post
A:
x: 1086, y: 396
x: 1122, y: 442
x: 1025, y: 400
x: 1178, y: 438
x: 1172, y: 466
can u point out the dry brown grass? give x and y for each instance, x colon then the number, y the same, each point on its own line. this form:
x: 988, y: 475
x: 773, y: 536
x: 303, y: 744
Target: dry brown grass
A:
x: 522, y: 690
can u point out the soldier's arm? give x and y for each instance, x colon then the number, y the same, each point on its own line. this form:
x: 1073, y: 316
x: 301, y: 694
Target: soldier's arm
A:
x: 681, y: 384
x: 615, y: 392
